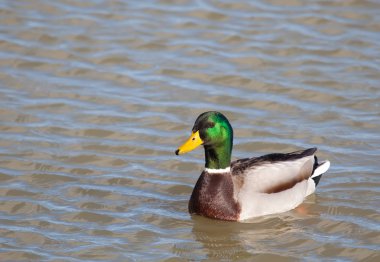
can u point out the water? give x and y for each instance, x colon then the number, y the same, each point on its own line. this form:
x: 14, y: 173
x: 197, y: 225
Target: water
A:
x: 95, y: 96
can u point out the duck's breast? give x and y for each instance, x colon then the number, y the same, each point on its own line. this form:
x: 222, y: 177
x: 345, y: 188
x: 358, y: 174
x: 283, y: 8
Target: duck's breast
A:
x: 213, y: 196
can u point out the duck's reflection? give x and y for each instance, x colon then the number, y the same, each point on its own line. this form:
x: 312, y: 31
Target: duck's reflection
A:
x: 223, y: 240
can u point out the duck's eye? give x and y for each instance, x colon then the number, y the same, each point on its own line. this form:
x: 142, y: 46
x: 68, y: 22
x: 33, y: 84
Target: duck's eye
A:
x: 193, y: 138
x: 209, y: 125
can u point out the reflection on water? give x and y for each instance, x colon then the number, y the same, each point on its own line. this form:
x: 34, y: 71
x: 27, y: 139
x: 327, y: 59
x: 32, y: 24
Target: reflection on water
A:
x: 95, y: 97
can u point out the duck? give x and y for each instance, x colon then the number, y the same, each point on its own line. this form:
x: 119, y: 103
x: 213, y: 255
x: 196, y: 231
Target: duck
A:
x: 249, y: 187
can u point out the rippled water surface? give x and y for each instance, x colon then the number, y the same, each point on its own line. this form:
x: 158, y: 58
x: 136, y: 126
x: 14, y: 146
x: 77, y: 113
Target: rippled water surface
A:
x: 95, y: 96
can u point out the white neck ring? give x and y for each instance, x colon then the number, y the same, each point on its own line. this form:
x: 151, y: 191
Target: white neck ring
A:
x: 217, y: 171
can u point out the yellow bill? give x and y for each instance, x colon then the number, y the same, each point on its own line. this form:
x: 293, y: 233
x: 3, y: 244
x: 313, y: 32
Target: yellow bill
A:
x: 192, y: 143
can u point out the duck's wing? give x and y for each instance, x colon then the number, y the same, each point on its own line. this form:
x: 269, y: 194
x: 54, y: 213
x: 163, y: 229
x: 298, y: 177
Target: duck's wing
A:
x: 273, y: 183
x: 274, y: 173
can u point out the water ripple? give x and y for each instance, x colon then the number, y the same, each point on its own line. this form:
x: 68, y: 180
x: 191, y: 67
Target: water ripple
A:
x: 96, y: 96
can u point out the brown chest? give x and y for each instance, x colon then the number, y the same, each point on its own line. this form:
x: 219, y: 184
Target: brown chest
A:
x: 213, y: 196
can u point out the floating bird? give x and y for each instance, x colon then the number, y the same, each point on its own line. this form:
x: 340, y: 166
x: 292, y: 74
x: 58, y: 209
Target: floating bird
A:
x: 248, y: 187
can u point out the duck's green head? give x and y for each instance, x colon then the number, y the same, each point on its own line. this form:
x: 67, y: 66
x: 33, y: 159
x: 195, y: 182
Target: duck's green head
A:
x: 214, y: 132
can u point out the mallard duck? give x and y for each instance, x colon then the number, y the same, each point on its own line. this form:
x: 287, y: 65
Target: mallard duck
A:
x: 248, y: 187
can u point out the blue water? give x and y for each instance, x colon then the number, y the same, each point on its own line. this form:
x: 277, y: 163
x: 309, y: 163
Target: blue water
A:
x: 95, y: 97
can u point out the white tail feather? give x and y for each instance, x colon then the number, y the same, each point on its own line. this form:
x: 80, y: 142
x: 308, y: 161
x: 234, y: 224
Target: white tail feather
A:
x: 321, y: 169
